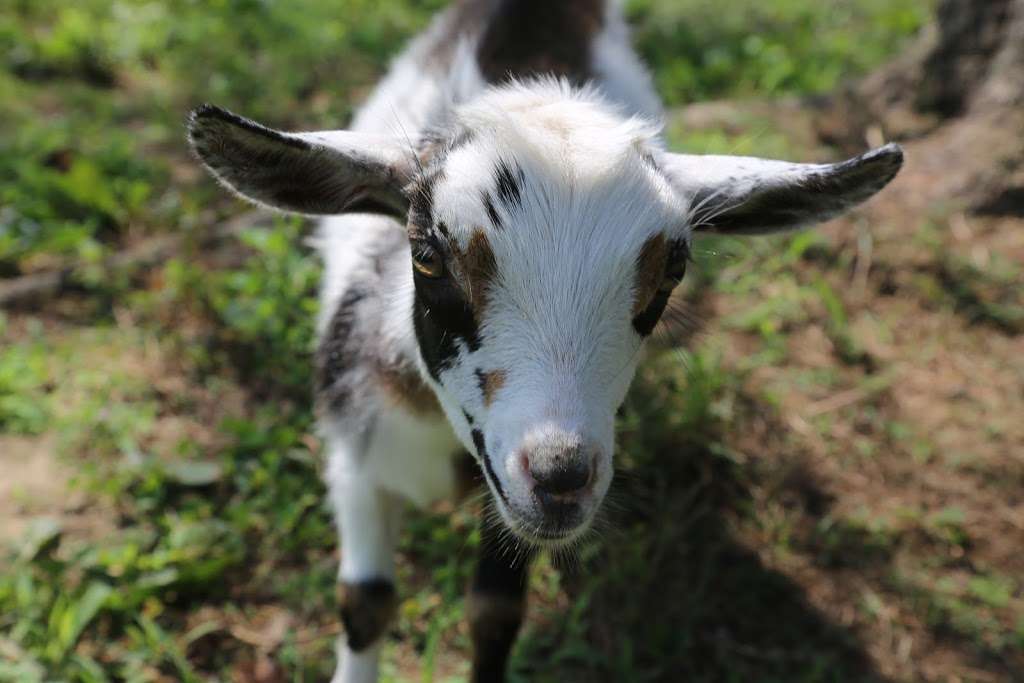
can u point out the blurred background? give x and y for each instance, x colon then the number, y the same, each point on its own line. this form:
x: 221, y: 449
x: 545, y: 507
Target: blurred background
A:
x: 822, y: 476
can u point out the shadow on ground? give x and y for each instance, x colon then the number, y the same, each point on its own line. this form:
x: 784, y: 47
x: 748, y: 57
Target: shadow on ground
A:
x: 672, y: 592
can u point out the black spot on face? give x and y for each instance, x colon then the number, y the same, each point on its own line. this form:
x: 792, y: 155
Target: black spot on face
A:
x: 492, y: 212
x: 509, y: 186
x: 481, y: 451
x: 646, y: 320
x: 442, y: 316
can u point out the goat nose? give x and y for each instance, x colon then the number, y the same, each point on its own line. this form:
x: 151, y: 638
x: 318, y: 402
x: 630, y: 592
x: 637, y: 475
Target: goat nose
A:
x: 564, y: 478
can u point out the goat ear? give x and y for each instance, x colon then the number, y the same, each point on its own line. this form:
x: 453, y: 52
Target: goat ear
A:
x: 320, y: 173
x: 749, y: 196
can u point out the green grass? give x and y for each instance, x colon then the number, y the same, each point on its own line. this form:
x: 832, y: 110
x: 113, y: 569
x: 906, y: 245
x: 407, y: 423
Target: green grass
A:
x: 705, y: 49
x: 223, y: 518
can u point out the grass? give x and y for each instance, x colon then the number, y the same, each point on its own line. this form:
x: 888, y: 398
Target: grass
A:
x: 178, y: 394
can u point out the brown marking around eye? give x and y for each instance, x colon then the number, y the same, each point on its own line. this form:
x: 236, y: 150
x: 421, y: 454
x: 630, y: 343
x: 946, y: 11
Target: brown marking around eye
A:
x: 650, y: 271
x: 490, y: 384
x: 479, y: 269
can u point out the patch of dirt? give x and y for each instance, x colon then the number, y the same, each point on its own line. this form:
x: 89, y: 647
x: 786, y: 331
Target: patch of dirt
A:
x: 36, y: 483
x: 939, y: 437
x: 127, y: 367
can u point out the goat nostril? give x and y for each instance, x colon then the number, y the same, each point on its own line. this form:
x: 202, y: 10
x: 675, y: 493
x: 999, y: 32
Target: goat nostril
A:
x: 563, y: 479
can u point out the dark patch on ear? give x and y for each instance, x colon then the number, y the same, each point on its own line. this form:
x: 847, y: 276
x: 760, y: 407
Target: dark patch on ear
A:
x: 367, y: 608
x: 289, y: 173
x: 485, y: 458
x: 509, y: 185
x: 817, y: 196
x: 369, y: 205
x: 199, y: 137
x: 309, y: 196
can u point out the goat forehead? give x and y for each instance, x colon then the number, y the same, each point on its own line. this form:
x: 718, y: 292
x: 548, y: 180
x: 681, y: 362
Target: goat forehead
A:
x: 545, y: 245
x: 559, y: 199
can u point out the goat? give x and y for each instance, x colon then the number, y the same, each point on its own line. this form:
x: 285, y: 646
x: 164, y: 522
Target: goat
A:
x: 503, y: 230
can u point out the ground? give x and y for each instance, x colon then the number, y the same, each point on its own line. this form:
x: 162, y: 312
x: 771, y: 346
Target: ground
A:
x: 820, y: 471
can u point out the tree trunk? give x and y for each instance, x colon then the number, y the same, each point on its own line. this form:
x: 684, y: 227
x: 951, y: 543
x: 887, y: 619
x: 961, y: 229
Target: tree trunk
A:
x: 977, y: 57
x: 957, y: 95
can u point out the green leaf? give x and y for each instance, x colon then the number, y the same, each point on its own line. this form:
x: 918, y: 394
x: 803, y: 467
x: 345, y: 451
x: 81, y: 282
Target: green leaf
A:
x: 992, y: 590
x: 194, y: 473
x: 42, y: 537
x: 78, y: 615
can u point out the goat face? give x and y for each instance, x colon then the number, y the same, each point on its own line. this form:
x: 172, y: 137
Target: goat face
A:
x: 544, y: 244
x: 546, y: 233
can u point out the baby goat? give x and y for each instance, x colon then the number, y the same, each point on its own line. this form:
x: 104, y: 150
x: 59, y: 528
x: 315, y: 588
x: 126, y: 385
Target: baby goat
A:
x: 505, y: 229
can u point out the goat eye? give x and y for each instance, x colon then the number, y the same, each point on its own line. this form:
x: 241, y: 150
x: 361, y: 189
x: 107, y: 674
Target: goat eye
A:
x: 427, y: 261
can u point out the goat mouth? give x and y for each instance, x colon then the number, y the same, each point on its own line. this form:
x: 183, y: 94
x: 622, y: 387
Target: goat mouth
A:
x: 550, y: 538
x: 546, y: 532
x: 534, y: 527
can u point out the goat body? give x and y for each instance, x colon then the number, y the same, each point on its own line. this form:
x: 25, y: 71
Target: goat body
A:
x: 503, y: 230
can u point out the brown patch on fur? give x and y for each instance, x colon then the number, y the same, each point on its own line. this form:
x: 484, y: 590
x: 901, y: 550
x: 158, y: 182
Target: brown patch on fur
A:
x: 478, y: 269
x: 367, y: 608
x: 403, y: 387
x: 650, y: 271
x: 490, y: 383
